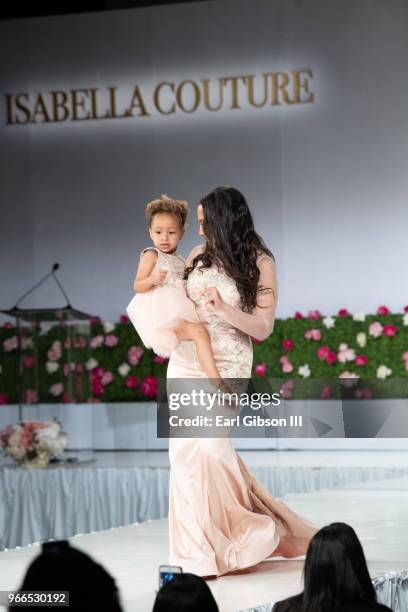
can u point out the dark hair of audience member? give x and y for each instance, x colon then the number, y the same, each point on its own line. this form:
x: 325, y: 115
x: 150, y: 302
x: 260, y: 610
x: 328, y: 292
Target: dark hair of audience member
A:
x: 61, y: 567
x: 335, y: 574
x: 185, y: 593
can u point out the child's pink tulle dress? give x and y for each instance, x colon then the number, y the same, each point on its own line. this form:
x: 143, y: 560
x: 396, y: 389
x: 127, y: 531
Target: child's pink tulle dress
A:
x: 156, y: 313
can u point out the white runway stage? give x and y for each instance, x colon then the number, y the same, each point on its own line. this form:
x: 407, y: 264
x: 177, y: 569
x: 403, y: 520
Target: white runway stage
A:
x: 377, y: 509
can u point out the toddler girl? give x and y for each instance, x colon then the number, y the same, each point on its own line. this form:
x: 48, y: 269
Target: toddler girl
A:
x: 161, y: 311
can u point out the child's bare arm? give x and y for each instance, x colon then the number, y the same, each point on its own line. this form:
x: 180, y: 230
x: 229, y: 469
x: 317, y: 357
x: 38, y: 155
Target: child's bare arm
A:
x: 144, y: 279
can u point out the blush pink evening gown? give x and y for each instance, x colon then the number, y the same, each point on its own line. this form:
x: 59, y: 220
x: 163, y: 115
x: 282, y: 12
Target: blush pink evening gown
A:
x: 221, y: 518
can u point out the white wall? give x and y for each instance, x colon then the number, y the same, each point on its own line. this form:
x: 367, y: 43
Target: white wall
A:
x: 327, y: 182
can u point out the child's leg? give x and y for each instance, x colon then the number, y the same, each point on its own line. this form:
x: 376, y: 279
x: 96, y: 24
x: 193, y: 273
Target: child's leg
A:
x: 197, y: 332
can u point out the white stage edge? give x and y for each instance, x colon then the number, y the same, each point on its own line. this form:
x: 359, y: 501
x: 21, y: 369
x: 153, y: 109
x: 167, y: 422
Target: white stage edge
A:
x: 376, y: 510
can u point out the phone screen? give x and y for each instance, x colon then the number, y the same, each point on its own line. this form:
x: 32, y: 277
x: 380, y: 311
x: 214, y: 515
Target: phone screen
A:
x: 167, y: 573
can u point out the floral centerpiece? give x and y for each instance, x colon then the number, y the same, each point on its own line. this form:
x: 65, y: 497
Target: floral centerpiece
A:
x: 33, y: 443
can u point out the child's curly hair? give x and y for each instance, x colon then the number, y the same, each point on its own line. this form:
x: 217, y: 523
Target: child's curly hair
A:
x: 165, y: 204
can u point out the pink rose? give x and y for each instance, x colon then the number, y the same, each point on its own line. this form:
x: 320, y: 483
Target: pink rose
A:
x: 363, y: 393
x: 288, y: 344
x: 286, y: 365
x: 149, y: 386
x: 134, y: 355
x: 260, y: 369
x: 95, y: 320
x: 343, y: 312
x: 28, y: 361
x: 313, y: 333
x: 67, y: 397
x: 159, y: 359
x: 326, y: 392
x: 405, y: 356
x: 55, y: 351
x: 323, y: 352
x: 8, y: 325
x: 314, y: 314
x: 389, y: 330
x: 124, y: 319
x: 111, y: 340
x: 331, y: 357
x: 406, y: 308
x: 67, y: 343
x: 97, y: 341
x: 383, y: 310
x: 4, y: 399
x: 97, y: 386
x: 97, y: 372
x: 286, y: 389
x: 375, y: 329
x: 57, y: 389
x: 10, y: 344
x: 107, y: 378
x: 361, y: 360
x: 298, y: 315
x: 132, y: 381
x: 30, y: 396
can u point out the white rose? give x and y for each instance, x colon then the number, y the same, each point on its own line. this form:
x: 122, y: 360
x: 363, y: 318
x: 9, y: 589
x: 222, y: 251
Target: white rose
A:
x: 108, y: 327
x: 405, y: 318
x: 51, y: 366
x: 359, y: 316
x: 329, y: 322
x: 91, y: 364
x: 361, y: 339
x: 383, y: 371
x: 45, y: 328
x: 304, y: 371
x: 123, y: 369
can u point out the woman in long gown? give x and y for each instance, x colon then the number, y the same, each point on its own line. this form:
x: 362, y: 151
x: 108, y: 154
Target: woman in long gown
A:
x: 221, y: 518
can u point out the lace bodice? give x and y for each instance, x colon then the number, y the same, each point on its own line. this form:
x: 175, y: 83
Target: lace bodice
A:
x: 201, y: 278
x: 173, y: 263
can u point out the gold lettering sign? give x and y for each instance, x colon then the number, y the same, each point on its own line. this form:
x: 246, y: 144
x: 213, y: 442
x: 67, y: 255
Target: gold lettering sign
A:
x: 188, y: 96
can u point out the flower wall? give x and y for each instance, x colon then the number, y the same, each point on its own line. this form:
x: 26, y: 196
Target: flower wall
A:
x: 117, y: 368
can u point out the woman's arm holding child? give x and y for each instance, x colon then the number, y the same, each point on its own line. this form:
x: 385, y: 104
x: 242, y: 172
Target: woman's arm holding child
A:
x: 144, y: 279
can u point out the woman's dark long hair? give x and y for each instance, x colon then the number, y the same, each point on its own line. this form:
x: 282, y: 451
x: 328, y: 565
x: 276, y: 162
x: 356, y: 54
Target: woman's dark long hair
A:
x: 232, y: 242
x: 335, y: 573
x: 185, y: 593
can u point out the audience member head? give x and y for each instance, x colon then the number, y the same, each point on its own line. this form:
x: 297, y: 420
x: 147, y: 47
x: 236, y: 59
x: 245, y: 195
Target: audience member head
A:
x: 336, y: 572
x: 185, y: 593
x: 61, y: 567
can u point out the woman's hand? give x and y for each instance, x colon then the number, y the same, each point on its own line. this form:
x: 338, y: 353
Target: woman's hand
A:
x: 214, y: 298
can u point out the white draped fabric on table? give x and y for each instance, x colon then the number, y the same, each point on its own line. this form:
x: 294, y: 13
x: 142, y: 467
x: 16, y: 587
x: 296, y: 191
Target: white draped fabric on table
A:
x: 60, y: 502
